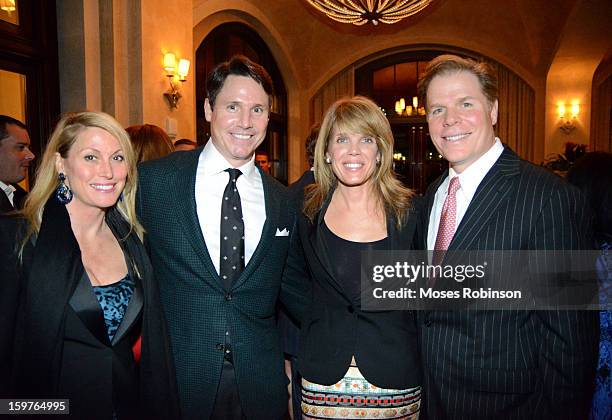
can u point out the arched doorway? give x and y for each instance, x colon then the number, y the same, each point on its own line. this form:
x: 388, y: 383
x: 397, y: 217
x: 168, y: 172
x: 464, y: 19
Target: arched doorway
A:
x: 222, y: 43
x: 389, y: 81
x: 394, y: 77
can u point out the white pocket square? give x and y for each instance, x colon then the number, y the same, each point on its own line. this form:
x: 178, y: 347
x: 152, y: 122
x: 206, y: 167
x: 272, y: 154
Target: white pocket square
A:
x: 283, y: 232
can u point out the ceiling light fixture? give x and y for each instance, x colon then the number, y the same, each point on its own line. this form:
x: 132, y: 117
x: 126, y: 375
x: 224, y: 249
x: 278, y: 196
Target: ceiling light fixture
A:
x: 360, y: 12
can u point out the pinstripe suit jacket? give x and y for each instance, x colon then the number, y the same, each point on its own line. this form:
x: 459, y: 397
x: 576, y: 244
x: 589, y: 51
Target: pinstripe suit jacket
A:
x: 198, y: 308
x: 512, y: 364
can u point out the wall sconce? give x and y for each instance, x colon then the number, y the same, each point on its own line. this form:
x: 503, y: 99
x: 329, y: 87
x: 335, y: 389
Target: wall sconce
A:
x: 173, y: 95
x: 568, y: 122
x: 8, y: 5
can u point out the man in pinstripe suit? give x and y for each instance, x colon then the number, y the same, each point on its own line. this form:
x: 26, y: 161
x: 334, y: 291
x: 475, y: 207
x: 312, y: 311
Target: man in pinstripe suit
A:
x: 498, y: 364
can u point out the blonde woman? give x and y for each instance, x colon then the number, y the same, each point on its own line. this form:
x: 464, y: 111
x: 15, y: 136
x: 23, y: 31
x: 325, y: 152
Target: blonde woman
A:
x: 355, y: 363
x: 86, y: 285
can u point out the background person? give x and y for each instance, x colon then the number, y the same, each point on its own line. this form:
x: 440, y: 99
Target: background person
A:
x: 87, y: 285
x: 183, y: 145
x: 592, y: 173
x: 357, y: 204
x: 297, y: 188
x: 15, y: 159
x: 149, y: 142
x: 262, y: 160
x: 492, y: 364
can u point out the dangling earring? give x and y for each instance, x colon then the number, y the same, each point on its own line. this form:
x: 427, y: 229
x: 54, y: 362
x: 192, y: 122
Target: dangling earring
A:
x: 327, y: 160
x: 63, y: 193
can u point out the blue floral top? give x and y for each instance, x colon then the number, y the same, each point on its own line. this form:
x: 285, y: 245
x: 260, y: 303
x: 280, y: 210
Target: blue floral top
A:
x: 602, y: 399
x: 114, y: 299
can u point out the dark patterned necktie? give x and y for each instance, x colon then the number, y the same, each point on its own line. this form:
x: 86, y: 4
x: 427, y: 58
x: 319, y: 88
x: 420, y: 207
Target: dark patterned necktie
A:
x: 232, y: 232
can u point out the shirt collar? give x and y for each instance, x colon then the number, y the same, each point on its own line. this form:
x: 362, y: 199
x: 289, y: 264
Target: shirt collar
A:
x: 214, y: 163
x: 473, y: 175
x: 7, y: 188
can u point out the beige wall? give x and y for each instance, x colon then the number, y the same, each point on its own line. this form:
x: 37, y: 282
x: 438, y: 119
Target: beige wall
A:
x: 167, y: 27
x: 582, y: 46
x: 569, y: 81
x: 111, y: 55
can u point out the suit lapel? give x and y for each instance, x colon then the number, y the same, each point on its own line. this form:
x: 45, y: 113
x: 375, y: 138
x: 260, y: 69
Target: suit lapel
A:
x: 491, y: 194
x: 87, y: 308
x: 183, y: 186
x: 5, y: 204
x: 132, y: 312
x: 273, y: 209
x: 19, y: 197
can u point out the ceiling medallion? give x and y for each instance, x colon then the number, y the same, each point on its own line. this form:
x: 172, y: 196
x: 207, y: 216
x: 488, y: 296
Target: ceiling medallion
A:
x: 360, y: 12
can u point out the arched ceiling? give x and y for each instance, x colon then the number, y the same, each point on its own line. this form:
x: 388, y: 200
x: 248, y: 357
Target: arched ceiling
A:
x: 521, y: 34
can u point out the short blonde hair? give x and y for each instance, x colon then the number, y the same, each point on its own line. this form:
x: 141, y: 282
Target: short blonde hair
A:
x: 64, y: 136
x: 358, y: 115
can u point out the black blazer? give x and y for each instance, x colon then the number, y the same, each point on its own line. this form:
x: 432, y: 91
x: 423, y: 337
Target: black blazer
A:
x: 384, y: 343
x: 200, y: 310
x: 19, y: 197
x: 512, y: 364
x: 10, y: 288
x: 62, y: 349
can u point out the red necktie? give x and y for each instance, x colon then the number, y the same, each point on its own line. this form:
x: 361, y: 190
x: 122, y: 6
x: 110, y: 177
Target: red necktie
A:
x: 448, y: 221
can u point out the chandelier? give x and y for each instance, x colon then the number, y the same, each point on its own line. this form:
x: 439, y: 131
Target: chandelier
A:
x: 360, y: 12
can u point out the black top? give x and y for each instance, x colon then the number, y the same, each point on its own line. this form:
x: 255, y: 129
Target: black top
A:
x: 347, y: 256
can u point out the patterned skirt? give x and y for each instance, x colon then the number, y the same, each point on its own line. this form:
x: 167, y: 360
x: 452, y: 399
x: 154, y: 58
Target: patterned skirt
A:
x: 353, y: 397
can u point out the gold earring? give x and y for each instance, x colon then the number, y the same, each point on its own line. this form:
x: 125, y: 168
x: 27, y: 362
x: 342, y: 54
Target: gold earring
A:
x: 327, y: 160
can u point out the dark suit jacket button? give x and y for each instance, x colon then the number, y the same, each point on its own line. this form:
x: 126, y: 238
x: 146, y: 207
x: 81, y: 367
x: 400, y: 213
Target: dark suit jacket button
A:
x: 350, y: 309
x: 228, y: 296
x: 219, y: 346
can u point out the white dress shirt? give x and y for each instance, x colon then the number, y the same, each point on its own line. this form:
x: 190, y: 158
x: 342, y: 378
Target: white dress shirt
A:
x: 211, y: 180
x: 9, y: 190
x: 469, y: 179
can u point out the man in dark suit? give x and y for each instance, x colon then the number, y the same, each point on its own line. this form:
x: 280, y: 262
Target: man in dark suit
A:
x: 498, y: 364
x: 297, y: 188
x: 219, y: 229
x: 15, y: 159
